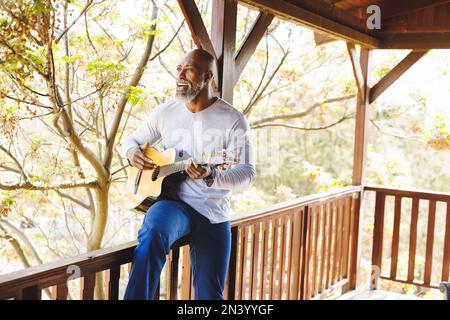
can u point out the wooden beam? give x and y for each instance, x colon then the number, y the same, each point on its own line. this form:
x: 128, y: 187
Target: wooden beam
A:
x: 317, y: 22
x: 361, y: 125
x: 394, y: 74
x: 357, y: 72
x: 332, y: 12
x: 321, y: 38
x: 196, y: 25
x: 223, y: 31
x: 415, y: 41
x: 198, y: 31
x: 250, y: 43
x: 391, y: 8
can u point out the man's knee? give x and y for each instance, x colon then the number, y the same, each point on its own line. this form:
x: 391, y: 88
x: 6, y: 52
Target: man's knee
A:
x: 155, y: 236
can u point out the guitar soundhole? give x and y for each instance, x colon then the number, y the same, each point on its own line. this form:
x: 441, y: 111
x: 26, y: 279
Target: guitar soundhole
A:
x: 155, y: 174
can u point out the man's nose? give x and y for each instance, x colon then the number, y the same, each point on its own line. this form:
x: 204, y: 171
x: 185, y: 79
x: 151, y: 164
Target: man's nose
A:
x: 181, y: 74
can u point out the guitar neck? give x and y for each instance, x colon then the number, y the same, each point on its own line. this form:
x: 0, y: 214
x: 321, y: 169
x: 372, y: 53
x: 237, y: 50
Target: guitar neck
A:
x: 172, y: 168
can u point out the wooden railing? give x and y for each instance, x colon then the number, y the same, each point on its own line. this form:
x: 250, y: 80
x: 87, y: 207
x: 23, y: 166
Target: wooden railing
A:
x: 299, y: 249
x: 409, y: 216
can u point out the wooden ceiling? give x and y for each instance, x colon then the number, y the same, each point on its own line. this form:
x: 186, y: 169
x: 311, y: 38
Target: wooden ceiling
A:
x: 405, y: 24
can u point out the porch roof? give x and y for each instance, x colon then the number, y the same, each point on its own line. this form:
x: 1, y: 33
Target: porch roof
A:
x: 414, y: 24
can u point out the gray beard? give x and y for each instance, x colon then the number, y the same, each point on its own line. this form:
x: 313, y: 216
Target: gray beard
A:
x: 190, y: 94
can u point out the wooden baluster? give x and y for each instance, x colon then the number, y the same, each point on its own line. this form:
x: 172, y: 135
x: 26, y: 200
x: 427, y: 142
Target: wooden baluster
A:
x: 275, y: 254
x: 186, y: 273
x: 308, y: 255
x: 173, y: 293
x: 337, y: 246
x: 60, y: 291
x: 232, y: 268
x: 112, y: 282
x: 280, y: 274
x: 430, y: 241
x: 267, y: 259
x: 396, y: 236
x: 324, y: 247
x: 413, y: 238
x: 262, y: 263
x: 331, y: 252
x: 87, y: 286
x: 240, y: 287
x: 244, y: 263
x: 345, y: 239
x: 446, y: 256
x: 289, y: 253
x: 314, y: 254
x: 255, y: 258
x: 249, y: 267
x: 354, y: 238
x: 304, y: 256
x: 30, y: 293
x: 295, y: 259
x: 377, y: 248
x: 168, y: 274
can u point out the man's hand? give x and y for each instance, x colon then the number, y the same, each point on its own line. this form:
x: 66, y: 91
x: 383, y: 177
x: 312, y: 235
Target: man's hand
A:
x: 195, y: 171
x: 139, y: 160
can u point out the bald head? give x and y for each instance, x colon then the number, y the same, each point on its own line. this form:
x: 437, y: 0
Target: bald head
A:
x: 195, y: 74
x: 203, y: 58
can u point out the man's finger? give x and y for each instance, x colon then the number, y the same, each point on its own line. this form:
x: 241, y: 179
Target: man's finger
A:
x: 195, y: 170
x: 192, y: 173
x: 142, y: 156
x: 138, y: 161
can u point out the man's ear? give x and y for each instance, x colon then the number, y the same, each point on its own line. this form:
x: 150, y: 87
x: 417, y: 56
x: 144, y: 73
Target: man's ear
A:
x: 209, y: 75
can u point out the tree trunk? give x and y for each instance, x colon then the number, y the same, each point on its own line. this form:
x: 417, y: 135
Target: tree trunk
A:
x: 97, y: 232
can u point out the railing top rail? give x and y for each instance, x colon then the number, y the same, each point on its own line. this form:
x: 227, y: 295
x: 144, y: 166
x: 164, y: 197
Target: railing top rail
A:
x: 56, y: 272
x: 423, y: 194
x: 302, y: 201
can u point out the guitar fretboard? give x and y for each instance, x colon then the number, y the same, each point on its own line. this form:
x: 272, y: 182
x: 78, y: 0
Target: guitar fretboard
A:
x: 172, y: 168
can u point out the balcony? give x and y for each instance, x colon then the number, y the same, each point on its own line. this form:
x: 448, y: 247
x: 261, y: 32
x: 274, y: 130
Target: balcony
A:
x: 308, y: 248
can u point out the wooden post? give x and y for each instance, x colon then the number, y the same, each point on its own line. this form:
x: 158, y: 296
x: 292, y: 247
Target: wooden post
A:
x: 361, y: 68
x: 223, y: 37
x: 361, y: 71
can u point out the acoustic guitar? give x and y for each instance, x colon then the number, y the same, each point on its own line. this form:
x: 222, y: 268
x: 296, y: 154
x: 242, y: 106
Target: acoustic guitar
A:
x: 145, y: 187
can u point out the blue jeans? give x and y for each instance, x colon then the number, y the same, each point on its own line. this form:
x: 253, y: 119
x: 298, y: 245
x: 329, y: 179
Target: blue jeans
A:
x: 165, y: 222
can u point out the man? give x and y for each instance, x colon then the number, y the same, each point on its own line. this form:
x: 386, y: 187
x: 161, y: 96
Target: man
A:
x: 200, y: 125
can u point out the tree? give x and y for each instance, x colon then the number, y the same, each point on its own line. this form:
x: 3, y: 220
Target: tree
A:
x: 38, y: 83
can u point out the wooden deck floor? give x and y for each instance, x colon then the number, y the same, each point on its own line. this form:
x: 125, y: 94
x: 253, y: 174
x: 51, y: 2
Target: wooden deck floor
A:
x: 367, y: 294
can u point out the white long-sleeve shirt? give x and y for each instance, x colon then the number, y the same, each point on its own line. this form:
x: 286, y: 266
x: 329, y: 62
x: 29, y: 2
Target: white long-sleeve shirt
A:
x: 201, y: 134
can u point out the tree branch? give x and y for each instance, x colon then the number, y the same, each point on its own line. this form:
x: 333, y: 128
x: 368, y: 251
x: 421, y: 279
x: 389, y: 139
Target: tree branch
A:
x: 73, y: 199
x: 414, y: 136
x: 83, y: 11
x: 32, y: 186
x: 291, y: 126
x: 303, y: 113
x: 124, y: 99
x: 18, y: 164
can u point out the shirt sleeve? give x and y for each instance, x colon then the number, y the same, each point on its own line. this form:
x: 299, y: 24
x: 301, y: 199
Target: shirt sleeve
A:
x: 241, y: 175
x: 149, y: 132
